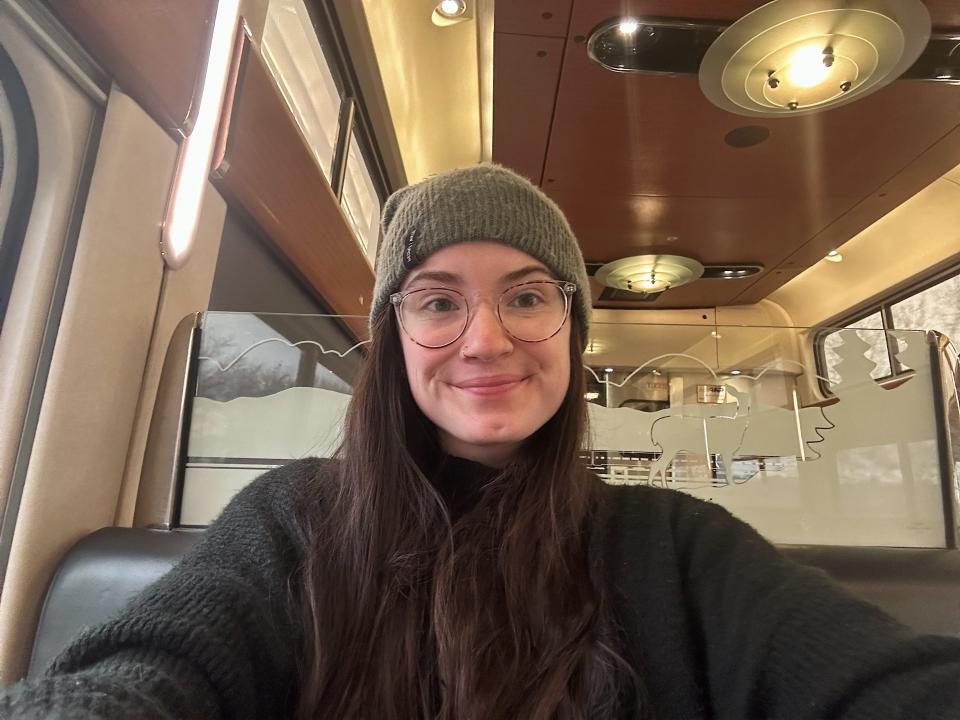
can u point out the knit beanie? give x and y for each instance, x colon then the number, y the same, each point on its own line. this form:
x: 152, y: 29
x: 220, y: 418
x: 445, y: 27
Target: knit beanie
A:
x: 485, y: 202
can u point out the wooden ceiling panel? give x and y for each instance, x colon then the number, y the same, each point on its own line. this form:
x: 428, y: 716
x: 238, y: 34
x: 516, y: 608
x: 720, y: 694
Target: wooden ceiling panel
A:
x: 943, y: 13
x: 640, y: 165
x: 938, y: 160
x: 587, y: 14
x: 650, y: 135
x: 532, y: 17
x: 526, y: 70
x: 155, y: 49
x: 711, y: 230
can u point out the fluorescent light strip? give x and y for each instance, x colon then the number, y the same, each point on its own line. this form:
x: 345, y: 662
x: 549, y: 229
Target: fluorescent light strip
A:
x: 196, y: 149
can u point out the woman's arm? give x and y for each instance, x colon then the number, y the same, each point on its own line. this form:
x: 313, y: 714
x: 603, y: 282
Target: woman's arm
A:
x: 214, y: 638
x: 783, y: 641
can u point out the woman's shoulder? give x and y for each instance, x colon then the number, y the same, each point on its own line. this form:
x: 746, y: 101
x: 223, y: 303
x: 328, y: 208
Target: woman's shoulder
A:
x: 292, y: 481
x: 279, y: 496
x: 642, y: 509
x: 646, y: 499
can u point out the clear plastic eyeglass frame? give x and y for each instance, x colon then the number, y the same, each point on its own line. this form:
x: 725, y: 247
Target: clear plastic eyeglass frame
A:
x: 566, y: 288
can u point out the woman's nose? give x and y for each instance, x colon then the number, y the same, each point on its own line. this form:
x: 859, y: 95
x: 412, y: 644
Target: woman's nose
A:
x: 484, y: 337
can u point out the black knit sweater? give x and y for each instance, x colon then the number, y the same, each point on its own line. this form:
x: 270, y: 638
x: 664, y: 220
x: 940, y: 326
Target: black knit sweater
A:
x: 718, y: 623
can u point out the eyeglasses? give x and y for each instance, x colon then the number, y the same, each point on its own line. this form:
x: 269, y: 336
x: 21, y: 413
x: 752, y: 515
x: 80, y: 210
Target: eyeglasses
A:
x: 530, y: 312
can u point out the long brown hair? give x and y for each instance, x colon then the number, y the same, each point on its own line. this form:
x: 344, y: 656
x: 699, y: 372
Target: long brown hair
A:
x: 410, y: 615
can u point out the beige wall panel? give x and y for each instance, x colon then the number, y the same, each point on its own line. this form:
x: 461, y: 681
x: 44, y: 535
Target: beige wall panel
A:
x: 185, y: 291
x: 97, y: 367
x: 64, y: 116
x: 921, y: 234
x: 431, y: 81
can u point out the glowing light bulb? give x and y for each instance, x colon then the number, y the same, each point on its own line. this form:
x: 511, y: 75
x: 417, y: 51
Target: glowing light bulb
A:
x: 629, y: 26
x: 807, y: 68
x: 451, y: 7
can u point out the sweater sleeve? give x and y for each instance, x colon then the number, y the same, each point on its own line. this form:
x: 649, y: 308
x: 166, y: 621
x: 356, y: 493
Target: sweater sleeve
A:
x: 216, y: 637
x: 783, y: 641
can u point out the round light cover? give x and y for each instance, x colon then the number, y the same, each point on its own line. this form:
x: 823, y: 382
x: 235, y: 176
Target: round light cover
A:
x: 792, y: 58
x: 649, y: 273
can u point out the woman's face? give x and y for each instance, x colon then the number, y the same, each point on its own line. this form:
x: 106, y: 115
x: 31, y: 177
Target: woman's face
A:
x: 486, y: 392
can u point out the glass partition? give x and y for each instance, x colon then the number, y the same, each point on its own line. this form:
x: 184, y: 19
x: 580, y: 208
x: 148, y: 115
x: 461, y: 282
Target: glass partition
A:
x: 270, y: 388
x: 734, y: 415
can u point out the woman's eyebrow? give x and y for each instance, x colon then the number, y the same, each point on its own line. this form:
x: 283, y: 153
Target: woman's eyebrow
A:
x: 438, y: 276
x: 523, y: 272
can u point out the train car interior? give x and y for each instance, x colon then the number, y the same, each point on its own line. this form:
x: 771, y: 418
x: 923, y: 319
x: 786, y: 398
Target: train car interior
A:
x: 767, y: 196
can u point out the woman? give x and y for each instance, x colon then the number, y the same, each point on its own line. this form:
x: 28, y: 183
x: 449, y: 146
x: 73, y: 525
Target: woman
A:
x: 456, y: 561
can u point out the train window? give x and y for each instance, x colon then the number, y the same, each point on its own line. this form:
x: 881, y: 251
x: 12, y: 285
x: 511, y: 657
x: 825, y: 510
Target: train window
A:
x: 297, y: 61
x: 937, y: 308
x: 361, y: 203
x: 877, y: 353
x: 933, y: 307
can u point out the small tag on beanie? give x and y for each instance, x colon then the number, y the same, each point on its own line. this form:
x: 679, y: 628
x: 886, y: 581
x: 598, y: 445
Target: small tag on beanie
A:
x: 409, y: 255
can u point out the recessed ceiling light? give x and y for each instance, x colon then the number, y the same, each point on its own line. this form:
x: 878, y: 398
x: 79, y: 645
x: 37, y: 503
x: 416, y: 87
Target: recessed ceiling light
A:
x: 452, y: 8
x: 790, y: 58
x: 834, y: 256
x: 450, y: 12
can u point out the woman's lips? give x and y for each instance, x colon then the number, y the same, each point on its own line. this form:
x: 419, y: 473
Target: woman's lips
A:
x: 490, y: 386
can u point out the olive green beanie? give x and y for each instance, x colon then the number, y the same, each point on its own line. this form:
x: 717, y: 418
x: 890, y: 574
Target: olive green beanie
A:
x: 484, y: 202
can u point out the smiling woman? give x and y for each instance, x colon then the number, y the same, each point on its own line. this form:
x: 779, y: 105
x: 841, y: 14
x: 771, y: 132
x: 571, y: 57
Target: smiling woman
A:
x: 457, y: 560
x: 485, y: 388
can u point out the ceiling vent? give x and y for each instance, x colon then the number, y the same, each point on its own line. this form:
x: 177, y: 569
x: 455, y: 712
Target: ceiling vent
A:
x: 613, y: 295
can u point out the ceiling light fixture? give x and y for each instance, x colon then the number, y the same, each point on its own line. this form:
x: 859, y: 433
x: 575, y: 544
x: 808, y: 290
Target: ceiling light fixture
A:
x: 649, y: 273
x: 834, y: 256
x: 786, y: 58
x: 451, y: 12
x: 608, y: 370
x: 182, y: 215
x: 734, y: 372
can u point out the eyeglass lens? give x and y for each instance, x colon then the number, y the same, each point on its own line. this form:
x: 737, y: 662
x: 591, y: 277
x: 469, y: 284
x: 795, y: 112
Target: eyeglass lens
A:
x: 531, y: 312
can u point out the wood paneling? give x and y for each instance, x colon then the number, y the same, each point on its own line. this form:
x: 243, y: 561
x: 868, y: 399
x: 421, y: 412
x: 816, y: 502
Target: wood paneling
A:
x: 523, y: 102
x: 639, y: 162
x: 713, y: 230
x: 269, y: 170
x: 941, y: 157
x: 154, y: 49
x: 533, y: 17
x: 943, y: 13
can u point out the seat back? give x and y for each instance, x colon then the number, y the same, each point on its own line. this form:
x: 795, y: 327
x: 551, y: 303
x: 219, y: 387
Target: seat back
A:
x: 103, y: 571
x: 920, y: 587
x: 96, y: 578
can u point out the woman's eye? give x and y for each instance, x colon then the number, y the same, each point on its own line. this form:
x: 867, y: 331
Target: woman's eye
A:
x: 527, y: 300
x: 439, y: 305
